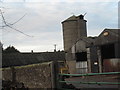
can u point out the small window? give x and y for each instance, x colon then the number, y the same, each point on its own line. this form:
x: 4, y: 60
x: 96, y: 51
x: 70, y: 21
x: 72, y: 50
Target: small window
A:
x: 82, y: 56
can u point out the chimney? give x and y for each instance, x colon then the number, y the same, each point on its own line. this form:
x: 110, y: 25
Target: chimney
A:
x: 31, y: 51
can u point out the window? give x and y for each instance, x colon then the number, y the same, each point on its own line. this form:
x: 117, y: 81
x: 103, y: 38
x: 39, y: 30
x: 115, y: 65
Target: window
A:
x: 82, y: 56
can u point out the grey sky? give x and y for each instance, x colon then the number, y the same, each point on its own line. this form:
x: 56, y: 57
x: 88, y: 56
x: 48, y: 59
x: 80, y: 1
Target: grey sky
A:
x: 43, y: 21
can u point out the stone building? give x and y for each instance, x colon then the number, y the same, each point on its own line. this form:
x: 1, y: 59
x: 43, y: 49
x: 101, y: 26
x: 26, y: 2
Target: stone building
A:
x: 88, y: 54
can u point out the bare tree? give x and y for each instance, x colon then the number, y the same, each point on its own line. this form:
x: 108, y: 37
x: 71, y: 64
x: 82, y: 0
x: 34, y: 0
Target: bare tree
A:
x: 6, y: 24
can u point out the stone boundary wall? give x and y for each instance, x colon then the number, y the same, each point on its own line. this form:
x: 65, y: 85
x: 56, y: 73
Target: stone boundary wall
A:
x: 33, y: 76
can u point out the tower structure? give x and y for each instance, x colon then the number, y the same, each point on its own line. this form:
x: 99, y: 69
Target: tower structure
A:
x: 73, y: 29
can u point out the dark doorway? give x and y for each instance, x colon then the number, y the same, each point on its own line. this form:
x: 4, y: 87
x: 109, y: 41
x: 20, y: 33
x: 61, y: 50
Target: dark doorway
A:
x: 82, y: 56
x: 108, y: 51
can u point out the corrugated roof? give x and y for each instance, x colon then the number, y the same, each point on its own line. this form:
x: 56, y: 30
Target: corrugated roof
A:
x: 18, y: 59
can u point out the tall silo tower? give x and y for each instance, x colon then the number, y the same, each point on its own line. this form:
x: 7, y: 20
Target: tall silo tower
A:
x: 73, y: 28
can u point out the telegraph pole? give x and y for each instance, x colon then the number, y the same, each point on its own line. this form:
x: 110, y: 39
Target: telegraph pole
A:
x: 55, y: 47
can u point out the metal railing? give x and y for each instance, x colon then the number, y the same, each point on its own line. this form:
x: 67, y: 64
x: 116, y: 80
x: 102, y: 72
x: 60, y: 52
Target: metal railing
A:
x: 112, y: 83
x: 90, y: 74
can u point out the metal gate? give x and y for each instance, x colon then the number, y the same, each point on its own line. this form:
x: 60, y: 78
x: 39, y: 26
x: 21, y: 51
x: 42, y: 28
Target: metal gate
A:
x: 62, y: 82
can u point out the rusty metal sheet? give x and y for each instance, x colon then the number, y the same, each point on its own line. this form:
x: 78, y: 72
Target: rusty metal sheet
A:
x: 111, y: 65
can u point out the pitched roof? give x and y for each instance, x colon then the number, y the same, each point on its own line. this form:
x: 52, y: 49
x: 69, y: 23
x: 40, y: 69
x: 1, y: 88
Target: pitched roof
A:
x: 72, y: 18
x: 113, y: 36
x: 87, y: 40
x: 108, y: 36
x: 112, y: 31
x: 19, y: 59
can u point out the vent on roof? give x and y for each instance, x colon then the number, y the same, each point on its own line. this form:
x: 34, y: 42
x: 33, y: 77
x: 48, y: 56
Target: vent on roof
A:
x: 81, y: 16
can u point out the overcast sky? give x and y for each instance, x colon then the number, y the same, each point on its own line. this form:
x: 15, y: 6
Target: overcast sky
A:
x: 43, y: 19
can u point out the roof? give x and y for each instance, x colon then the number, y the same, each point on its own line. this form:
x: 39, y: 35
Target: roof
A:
x: 88, y: 40
x: 72, y: 18
x: 19, y: 59
x: 108, y: 36
x: 112, y: 37
x: 75, y: 18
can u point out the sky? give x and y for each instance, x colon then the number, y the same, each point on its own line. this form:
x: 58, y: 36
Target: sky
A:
x: 42, y: 21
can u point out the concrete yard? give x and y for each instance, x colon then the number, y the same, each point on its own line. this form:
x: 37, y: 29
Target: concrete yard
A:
x: 98, y: 78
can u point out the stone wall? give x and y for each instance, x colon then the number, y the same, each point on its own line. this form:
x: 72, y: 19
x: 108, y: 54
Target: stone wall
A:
x: 33, y: 76
x: 72, y: 66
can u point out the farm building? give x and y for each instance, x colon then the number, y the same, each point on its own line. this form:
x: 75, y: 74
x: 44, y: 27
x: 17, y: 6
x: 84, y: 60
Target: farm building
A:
x: 90, y: 54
